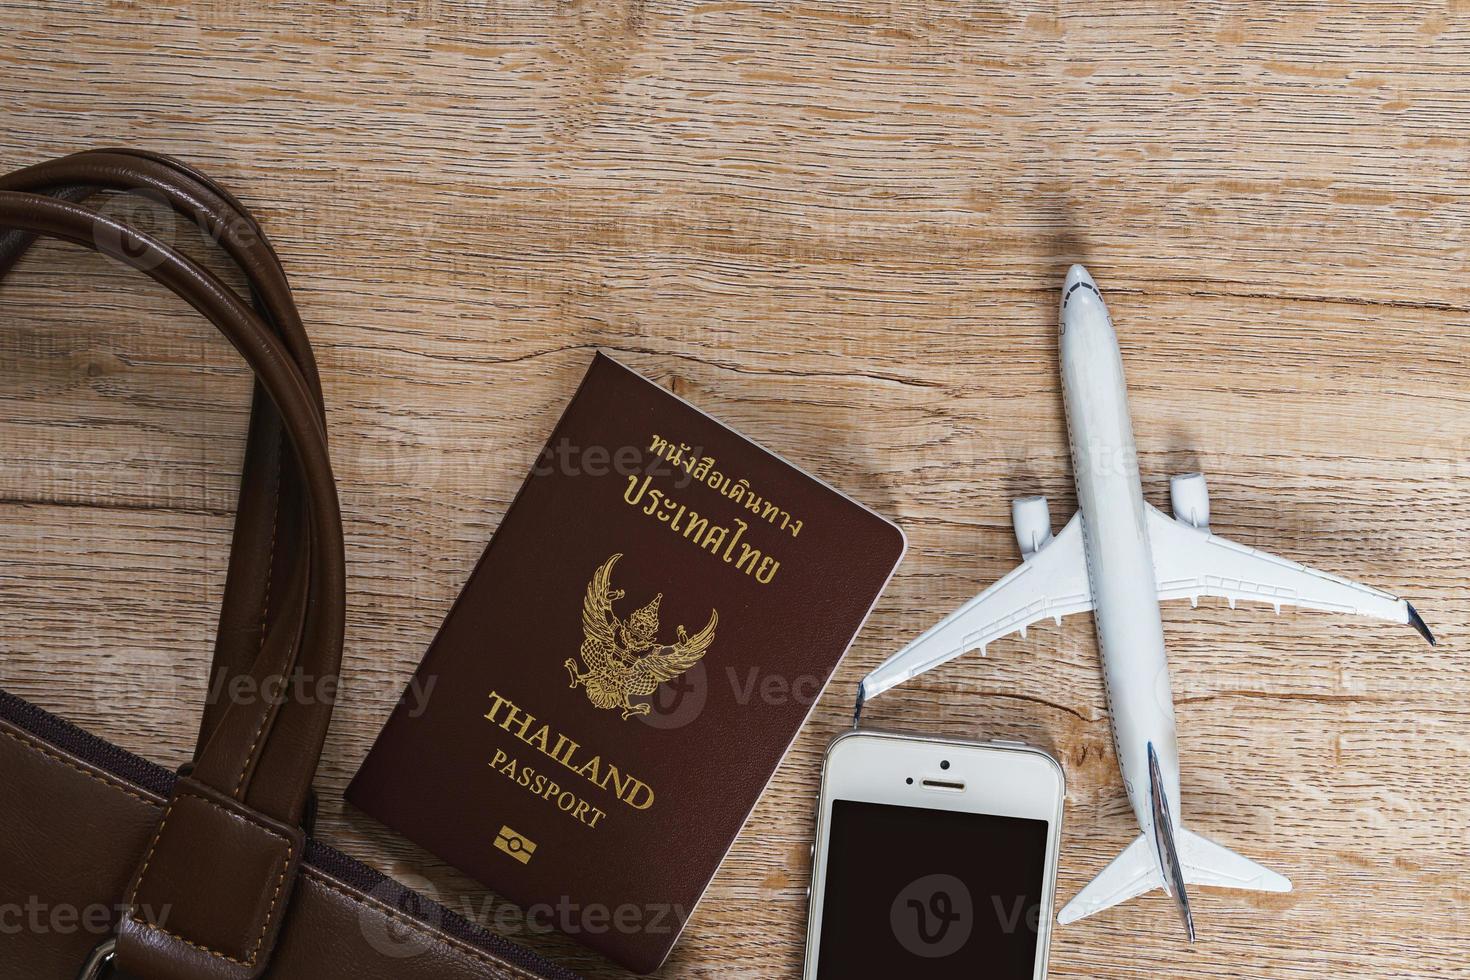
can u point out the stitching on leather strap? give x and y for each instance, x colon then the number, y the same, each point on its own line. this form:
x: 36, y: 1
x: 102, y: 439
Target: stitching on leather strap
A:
x: 265, y: 608
x: 136, y: 914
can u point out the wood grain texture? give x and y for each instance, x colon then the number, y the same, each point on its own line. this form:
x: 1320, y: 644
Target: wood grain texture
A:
x: 839, y: 227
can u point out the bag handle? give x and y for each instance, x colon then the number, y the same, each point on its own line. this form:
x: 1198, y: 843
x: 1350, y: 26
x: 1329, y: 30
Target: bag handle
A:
x: 227, y: 849
x: 247, y: 613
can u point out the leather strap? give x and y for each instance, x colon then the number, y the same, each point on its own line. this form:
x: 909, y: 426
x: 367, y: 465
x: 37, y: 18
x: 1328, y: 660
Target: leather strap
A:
x: 256, y: 563
x: 225, y: 855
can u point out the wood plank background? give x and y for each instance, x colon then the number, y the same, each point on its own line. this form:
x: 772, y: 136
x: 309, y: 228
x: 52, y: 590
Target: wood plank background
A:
x: 839, y: 226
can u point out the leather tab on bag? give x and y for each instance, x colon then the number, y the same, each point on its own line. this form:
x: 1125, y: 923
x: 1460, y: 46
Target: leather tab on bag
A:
x: 210, y: 895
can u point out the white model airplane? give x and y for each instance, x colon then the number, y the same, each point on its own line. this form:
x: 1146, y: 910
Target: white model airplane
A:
x: 1118, y: 557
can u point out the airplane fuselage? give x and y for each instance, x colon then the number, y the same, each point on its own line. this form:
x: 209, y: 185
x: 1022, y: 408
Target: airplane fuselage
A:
x: 1118, y: 558
x: 1120, y: 562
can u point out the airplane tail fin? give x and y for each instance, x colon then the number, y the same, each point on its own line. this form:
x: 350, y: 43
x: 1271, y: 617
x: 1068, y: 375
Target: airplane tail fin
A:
x: 1166, y: 848
x: 1169, y: 859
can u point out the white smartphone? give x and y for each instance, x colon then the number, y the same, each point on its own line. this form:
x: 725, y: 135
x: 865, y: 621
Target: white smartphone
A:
x: 933, y: 859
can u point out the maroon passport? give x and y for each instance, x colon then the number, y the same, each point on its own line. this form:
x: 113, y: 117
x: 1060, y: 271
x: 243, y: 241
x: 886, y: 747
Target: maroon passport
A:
x: 633, y: 655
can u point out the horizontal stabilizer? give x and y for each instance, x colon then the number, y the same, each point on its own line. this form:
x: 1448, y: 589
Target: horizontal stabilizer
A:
x: 1134, y: 872
x: 1207, y: 863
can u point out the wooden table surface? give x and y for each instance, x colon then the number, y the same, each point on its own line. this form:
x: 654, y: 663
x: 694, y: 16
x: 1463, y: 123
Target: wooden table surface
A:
x: 841, y: 228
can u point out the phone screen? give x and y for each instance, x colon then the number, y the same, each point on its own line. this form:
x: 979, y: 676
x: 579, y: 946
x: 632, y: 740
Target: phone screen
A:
x: 930, y: 894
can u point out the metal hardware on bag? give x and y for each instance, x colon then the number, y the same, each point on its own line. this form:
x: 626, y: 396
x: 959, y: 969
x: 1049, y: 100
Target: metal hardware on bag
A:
x: 99, y: 964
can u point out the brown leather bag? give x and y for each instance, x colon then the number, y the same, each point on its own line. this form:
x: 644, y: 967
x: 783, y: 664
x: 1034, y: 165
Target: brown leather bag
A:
x: 110, y: 865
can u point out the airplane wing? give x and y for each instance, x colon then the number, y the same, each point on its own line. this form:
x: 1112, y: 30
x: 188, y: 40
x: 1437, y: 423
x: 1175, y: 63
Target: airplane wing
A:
x: 1190, y: 562
x: 1050, y: 584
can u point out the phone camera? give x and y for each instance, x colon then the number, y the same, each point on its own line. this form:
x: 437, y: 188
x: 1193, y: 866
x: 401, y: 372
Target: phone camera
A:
x: 944, y: 764
x: 910, y: 780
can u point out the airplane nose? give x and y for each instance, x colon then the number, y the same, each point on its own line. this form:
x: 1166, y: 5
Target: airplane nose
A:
x: 1078, y: 290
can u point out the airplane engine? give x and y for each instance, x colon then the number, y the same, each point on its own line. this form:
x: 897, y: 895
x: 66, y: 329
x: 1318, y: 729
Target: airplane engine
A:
x: 1032, y: 519
x: 1191, y: 499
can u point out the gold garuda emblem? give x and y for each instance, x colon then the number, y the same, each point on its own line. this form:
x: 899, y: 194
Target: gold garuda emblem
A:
x: 622, y: 657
